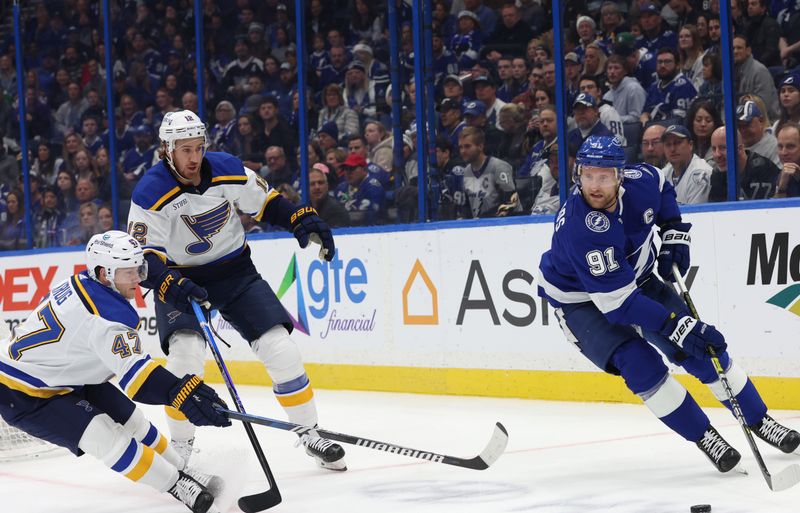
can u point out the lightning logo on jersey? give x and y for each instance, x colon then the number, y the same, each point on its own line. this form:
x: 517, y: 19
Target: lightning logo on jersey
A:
x: 206, y: 225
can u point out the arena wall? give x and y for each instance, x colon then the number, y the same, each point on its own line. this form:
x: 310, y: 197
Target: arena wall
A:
x: 451, y: 308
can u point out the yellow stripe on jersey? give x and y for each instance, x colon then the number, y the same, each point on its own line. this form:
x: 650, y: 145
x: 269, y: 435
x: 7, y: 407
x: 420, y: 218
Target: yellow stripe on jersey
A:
x: 86, y: 298
x: 174, y: 413
x: 229, y: 178
x: 163, y: 199
x: 160, y: 254
x: 143, y: 465
x: 137, y: 382
x: 296, y: 399
x: 42, y: 393
x: 270, y: 196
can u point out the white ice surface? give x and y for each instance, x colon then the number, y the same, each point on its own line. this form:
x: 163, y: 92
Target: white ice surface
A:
x: 561, y: 458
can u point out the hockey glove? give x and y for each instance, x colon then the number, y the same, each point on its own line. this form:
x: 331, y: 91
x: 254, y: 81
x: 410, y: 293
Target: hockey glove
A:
x: 693, y: 336
x: 307, y: 226
x: 196, y: 400
x: 179, y: 291
x: 675, y: 242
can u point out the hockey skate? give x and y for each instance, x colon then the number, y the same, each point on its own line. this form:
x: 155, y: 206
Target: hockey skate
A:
x: 184, y: 448
x: 777, y: 435
x: 214, y: 484
x: 190, y: 492
x: 720, y: 452
x: 329, y: 455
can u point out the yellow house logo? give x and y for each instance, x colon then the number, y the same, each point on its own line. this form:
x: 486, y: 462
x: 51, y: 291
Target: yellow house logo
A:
x: 429, y: 316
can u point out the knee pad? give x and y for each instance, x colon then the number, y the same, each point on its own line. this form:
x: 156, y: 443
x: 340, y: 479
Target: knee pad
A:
x: 187, y: 353
x: 106, y: 440
x: 737, y: 378
x: 280, y: 355
x: 137, y: 426
x: 648, y: 377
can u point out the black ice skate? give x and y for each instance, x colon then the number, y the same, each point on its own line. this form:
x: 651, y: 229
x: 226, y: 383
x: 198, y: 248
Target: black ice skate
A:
x: 776, y: 435
x: 214, y: 484
x: 329, y: 455
x: 720, y: 452
x: 190, y: 492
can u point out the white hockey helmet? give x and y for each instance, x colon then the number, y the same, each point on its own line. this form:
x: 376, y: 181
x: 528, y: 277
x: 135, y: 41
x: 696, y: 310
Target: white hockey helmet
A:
x: 113, y: 250
x: 183, y: 124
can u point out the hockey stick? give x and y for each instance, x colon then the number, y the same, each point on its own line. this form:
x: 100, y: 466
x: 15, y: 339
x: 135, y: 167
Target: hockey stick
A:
x: 787, y: 477
x: 495, y: 447
x: 272, y: 496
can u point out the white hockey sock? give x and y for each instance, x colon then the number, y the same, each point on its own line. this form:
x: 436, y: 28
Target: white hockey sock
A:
x: 737, y: 379
x: 142, y: 430
x: 281, y: 357
x: 110, y: 443
x: 186, y: 356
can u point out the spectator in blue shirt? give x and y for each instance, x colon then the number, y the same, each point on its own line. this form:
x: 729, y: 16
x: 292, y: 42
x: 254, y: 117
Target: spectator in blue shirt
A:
x: 587, y: 117
x: 670, y: 97
x: 362, y: 196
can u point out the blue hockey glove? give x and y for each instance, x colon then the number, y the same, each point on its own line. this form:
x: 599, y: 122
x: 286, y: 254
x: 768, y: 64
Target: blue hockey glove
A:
x: 196, y: 400
x: 693, y: 336
x: 179, y: 291
x: 307, y: 226
x: 675, y: 242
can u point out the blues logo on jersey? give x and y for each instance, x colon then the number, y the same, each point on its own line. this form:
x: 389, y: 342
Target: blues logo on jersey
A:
x: 206, y: 225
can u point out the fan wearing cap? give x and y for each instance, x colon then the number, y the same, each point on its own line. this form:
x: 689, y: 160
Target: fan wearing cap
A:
x: 608, y: 113
x: 358, y: 144
x: 466, y: 42
x: 359, y: 91
x: 587, y: 119
x: 640, y: 61
x: 751, y: 123
x: 183, y: 212
x: 655, y: 34
x: 587, y: 34
x: 475, y: 116
x: 756, y: 176
x: 450, y: 120
x: 362, y: 196
x: 688, y: 173
x: 235, y: 74
x: 377, y: 72
x: 789, y: 98
x: 486, y: 91
x: 669, y: 98
x: 142, y: 156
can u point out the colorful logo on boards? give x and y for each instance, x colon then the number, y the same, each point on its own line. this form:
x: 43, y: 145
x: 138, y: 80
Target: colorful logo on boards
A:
x: 418, y: 275
x: 320, y: 292
x: 788, y: 299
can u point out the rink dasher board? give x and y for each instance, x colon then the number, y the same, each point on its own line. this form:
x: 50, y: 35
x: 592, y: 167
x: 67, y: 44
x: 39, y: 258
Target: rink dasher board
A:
x: 452, y: 307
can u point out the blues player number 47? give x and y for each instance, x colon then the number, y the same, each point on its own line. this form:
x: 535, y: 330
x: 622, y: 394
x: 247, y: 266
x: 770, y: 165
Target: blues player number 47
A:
x: 601, y: 263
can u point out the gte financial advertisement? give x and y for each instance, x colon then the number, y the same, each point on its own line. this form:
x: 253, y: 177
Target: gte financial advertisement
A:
x: 466, y: 297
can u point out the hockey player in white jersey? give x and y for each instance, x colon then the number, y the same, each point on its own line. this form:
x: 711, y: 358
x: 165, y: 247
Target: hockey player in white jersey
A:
x: 599, y: 275
x: 183, y: 211
x: 54, y: 373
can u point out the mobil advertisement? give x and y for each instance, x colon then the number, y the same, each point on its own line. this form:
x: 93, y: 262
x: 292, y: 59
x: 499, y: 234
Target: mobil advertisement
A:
x: 465, y: 296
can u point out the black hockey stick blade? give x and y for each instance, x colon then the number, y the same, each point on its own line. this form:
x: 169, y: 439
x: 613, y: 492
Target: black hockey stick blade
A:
x: 493, y: 450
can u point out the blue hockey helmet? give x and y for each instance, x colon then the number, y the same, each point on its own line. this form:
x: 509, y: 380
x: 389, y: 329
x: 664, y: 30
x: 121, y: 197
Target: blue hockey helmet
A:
x: 600, y: 151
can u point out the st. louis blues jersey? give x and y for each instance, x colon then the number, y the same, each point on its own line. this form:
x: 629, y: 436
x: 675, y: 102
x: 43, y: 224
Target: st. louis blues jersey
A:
x: 190, y: 226
x: 82, y: 333
x: 603, y: 257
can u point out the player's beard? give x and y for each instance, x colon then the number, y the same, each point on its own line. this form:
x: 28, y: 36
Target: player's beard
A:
x: 607, y: 203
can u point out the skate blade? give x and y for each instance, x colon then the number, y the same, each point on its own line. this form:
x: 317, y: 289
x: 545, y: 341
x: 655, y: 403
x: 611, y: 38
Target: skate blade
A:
x: 336, y: 466
x: 740, y: 469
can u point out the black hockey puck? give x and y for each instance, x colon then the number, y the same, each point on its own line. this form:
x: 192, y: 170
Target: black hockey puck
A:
x: 701, y: 508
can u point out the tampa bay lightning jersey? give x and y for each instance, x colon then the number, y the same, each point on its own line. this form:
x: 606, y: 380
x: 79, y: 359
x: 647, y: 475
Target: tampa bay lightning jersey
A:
x: 602, y: 256
x: 81, y: 333
x: 670, y: 100
x: 193, y: 226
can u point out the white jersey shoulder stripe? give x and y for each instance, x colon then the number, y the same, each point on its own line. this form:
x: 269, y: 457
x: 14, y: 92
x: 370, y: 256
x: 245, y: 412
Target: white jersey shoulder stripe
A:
x: 610, y: 301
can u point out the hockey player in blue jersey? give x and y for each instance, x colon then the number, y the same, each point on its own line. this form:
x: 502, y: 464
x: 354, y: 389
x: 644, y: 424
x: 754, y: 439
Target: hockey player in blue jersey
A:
x: 183, y: 211
x: 55, y: 369
x: 599, y: 275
